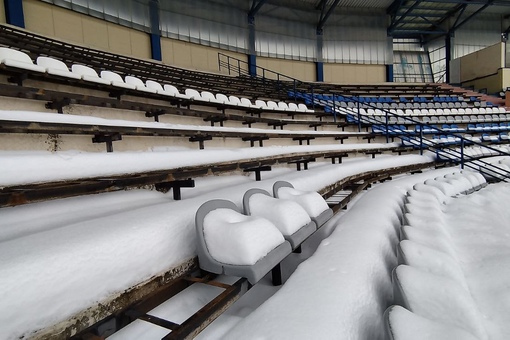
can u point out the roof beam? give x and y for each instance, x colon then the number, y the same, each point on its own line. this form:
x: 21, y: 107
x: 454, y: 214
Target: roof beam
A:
x: 255, y: 7
x: 325, y: 16
x: 394, y: 22
x: 458, y: 25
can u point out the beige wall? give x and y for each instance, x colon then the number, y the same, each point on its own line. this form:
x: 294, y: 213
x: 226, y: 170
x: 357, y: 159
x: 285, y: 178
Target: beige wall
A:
x: 2, y: 11
x: 493, y: 83
x: 354, y: 73
x: 193, y: 56
x: 301, y: 70
x: 482, y: 63
x: 78, y: 28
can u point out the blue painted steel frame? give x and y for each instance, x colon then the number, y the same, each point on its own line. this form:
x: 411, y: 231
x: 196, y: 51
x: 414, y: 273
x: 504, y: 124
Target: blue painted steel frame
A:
x: 14, y: 12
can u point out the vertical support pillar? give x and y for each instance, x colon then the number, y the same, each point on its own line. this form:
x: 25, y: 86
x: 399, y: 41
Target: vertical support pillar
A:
x: 252, y: 56
x: 155, y: 36
x: 389, y: 73
x: 319, y: 64
x: 14, y: 12
x: 448, y: 55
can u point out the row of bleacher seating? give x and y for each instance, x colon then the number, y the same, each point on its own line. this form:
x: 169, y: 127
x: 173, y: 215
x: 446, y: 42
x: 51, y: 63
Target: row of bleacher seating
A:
x: 423, y: 112
x: 15, y: 59
x: 105, y: 130
x: 434, y: 129
x: 432, y: 298
x: 253, y: 242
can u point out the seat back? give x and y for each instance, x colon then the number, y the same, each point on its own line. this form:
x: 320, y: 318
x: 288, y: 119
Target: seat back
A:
x: 134, y: 81
x: 151, y: 84
x: 207, y: 262
x: 83, y: 70
x: 171, y: 89
x: 193, y: 94
x: 111, y: 76
x: 280, y: 184
x: 55, y: 64
x: 11, y: 54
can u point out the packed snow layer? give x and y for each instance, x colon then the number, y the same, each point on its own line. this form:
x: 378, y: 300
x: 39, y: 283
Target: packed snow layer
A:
x: 479, y: 225
x: 18, y: 167
x: 407, y: 325
x: 100, y: 245
x: 311, y: 201
x: 343, y: 289
x: 68, y: 119
x: 234, y: 238
x: 286, y: 215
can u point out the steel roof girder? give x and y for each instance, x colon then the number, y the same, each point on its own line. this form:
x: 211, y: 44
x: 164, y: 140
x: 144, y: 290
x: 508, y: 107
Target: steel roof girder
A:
x: 325, y: 16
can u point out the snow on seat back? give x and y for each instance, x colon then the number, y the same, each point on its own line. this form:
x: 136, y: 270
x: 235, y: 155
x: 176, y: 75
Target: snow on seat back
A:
x: 14, y: 58
x: 430, y: 260
x: 56, y: 67
x: 88, y: 74
x: 462, y: 181
x: 311, y: 201
x: 446, y: 188
x: 438, y: 298
x: 433, y: 191
x: 436, y: 239
x: 401, y: 324
x: 237, y: 239
x: 288, y: 216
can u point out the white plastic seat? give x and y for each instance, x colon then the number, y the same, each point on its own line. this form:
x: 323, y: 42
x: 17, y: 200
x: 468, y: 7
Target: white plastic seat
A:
x: 195, y: 95
x: 17, y: 59
x: 56, y: 67
x: 116, y: 80
x: 283, y: 106
x: 293, y: 107
x: 151, y: 84
x: 304, y: 108
x: 272, y: 105
x: 175, y: 92
x: 224, y: 99
x: 262, y: 105
x: 234, y: 100
x: 139, y: 85
x: 247, y: 103
x: 210, y: 97
x: 88, y: 74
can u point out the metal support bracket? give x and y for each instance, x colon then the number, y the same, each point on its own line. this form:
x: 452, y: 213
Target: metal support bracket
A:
x: 108, y: 139
x: 175, y: 186
x: 200, y: 140
x: 258, y: 170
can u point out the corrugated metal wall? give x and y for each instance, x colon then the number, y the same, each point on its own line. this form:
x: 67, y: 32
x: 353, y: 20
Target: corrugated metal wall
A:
x: 280, y: 32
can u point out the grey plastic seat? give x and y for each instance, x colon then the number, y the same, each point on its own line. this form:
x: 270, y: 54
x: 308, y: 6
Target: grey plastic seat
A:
x: 319, y: 219
x: 253, y: 272
x: 295, y: 239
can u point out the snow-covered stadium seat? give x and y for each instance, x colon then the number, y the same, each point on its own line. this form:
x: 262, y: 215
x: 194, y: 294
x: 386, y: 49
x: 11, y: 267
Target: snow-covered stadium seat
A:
x: 438, y: 298
x: 231, y: 243
x: 17, y: 59
x: 56, y: 67
x: 401, y: 324
x: 288, y: 216
x: 139, y: 85
x: 88, y: 74
x: 116, y: 80
x: 303, y: 108
x: 311, y: 201
x: 175, y: 92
